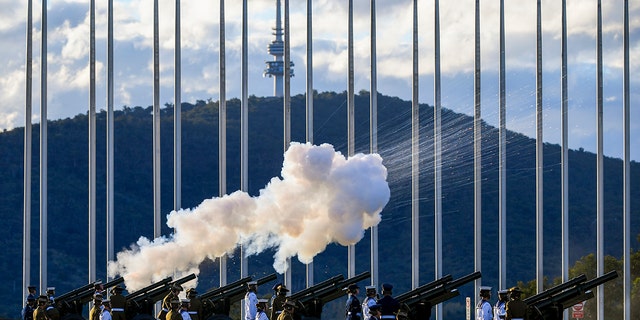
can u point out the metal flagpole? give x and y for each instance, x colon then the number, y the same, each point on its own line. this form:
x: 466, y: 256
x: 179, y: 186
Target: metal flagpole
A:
x: 477, y: 148
x: 627, y: 169
x: 309, y: 115
x: 539, y: 156
x: 28, y: 141
x: 437, y: 154
x: 222, y: 132
x: 157, y: 229
x: 373, y: 131
x: 600, y: 166
x: 565, y: 149
x: 415, y: 159
x: 177, y: 116
x: 350, y: 126
x: 43, y: 152
x: 502, y: 151
x: 287, y: 104
x: 110, y: 139
x: 244, y: 124
x: 92, y: 141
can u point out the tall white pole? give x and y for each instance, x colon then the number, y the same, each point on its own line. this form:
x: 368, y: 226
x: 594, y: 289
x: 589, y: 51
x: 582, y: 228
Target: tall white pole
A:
x: 477, y: 151
x: 539, y: 157
x: 565, y: 149
x: 92, y: 142
x: 287, y: 103
x: 437, y: 154
x: 415, y: 158
x: 157, y: 228
x: 351, y: 125
x: 177, y: 116
x: 373, y: 134
x: 599, y: 167
x: 222, y: 132
x: 110, y: 139
x: 627, y: 169
x: 502, y: 166
x: 43, y: 152
x: 28, y: 141
x: 309, y: 115
x: 244, y: 123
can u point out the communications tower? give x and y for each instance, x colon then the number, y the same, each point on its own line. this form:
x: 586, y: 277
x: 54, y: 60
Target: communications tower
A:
x: 275, y: 68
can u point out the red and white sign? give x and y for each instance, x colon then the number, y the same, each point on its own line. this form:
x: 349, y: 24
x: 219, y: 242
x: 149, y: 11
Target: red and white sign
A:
x: 577, y: 311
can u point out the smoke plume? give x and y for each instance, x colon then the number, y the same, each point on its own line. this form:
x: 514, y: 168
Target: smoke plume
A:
x: 322, y: 198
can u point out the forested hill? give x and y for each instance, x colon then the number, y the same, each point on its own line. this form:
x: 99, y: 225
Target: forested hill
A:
x: 67, y: 183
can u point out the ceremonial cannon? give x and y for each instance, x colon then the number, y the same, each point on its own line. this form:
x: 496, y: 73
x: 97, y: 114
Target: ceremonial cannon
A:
x: 311, y: 300
x: 216, y: 303
x: 69, y: 305
x: 420, y: 300
x: 550, y: 304
x: 140, y: 303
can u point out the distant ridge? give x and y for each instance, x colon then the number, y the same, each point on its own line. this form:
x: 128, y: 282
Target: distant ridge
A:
x: 67, y: 190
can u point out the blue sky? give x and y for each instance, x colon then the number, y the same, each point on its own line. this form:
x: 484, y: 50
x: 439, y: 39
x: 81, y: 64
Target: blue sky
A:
x: 68, y: 49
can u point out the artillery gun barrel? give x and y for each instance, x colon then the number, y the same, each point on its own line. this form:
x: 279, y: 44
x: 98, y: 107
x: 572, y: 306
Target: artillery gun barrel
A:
x: 442, y: 293
x: 555, y: 290
x: 401, y: 298
x: 214, y: 292
x: 148, y: 288
x: 319, y: 286
x: 331, y: 293
x: 75, y: 291
x: 579, y: 292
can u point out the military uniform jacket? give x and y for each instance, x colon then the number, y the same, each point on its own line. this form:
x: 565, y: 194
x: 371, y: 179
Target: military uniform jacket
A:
x: 353, y: 308
x: 195, y: 308
x: 261, y: 315
x: 276, y: 306
x: 285, y: 315
x: 250, y: 309
x: 388, y: 307
x: 105, y: 315
x: 94, y: 313
x: 499, y: 310
x: 484, y: 311
x: 516, y: 309
x: 166, y: 305
x: 366, y: 303
x: 174, y: 314
x: 39, y: 314
x: 118, y: 304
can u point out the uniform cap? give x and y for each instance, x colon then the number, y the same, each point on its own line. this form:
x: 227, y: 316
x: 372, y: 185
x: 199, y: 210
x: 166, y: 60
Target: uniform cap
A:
x: 51, y: 289
x: 515, y: 289
x: 185, y: 301
x: 374, y: 307
x: 97, y: 296
x: 176, y: 287
x: 485, y: 288
x: 262, y: 301
x: 282, y: 288
x: 43, y: 300
x: 98, y: 282
x: 117, y: 288
x: 370, y: 288
x: 192, y: 292
x: 353, y: 287
x: 31, y: 287
x: 503, y: 291
x: 174, y: 301
x: 275, y: 286
x: 387, y: 287
x: 106, y: 301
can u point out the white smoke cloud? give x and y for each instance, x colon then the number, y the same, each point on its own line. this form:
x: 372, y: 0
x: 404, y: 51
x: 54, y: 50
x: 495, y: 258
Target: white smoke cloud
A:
x: 322, y: 198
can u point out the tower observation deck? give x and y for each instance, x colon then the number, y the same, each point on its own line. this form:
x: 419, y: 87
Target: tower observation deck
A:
x: 275, y: 68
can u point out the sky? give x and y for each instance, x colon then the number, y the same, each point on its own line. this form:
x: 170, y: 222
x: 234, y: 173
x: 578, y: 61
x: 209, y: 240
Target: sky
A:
x: 68, y: 58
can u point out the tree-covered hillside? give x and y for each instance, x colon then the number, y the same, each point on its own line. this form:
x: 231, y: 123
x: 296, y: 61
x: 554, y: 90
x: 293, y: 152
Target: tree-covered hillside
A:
x: 67, y: 185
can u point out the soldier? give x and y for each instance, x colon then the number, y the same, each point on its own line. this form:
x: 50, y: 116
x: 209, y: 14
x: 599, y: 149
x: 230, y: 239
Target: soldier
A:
x: 40, y: 313
x: 369, y: 301
x: 499, y: 309
x: 195, y: 305
x: 96, y: 310
x: 250, y: 301
x: 52, y: 312
x: 106, y: 310
x: 98, y: 288
x: 29, y: 307
x: 184, y: 309
x: 374, y: 312
x: 118, y: 303
x: 353, y: 309
x: 516, y: 309
x: 166, y: 302
x: 389, y: 306
x: 174, y: 310
x: 32, y: 293
x: 288, y: 311
x: 261, y: 308
x: 484, y: 311
x: 277, y: 301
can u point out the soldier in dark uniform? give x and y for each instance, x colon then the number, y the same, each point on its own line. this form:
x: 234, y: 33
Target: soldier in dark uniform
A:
x: 516, y: 308
x: 40, y: 313
x: 374, y: 312
x: 96, y: 310
x: 389, y: 306
x: 118, y: 303
x: 52, y: 312
x: 166, y: 302
x: 29, y: 307
x: 32, y: 293
x: 277, y: 303
x: 353, y: 308
x: 195, y: 306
